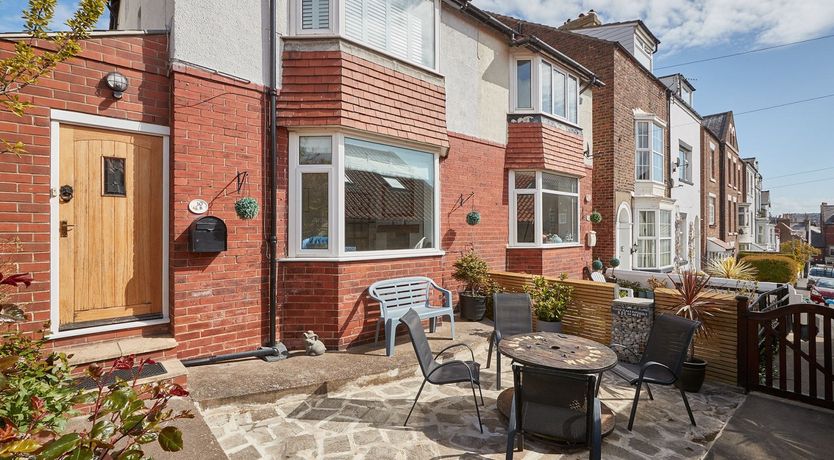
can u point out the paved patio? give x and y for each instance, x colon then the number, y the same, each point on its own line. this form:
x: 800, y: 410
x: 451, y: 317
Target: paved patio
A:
x: 364, y: 420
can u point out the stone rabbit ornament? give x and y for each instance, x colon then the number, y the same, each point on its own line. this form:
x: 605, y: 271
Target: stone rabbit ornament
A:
x: 313, y: 345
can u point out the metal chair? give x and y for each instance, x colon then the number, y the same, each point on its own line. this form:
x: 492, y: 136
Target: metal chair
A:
x: 444, y: 373
x: 555, y: 404
x: 513, y: 315
x: 662, y: 361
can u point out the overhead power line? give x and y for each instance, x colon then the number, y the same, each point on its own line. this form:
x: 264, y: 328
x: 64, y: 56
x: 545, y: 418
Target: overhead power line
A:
x: 771, y: 107
x: 740, y: 53
x: 798, y: 173
x: 802, y: 183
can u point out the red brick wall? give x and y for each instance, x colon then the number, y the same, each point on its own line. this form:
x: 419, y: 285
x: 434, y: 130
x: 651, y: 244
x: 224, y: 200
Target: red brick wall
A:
x: 219, y: 301
x: 75, y: 85
x: 708, y: 186
x: 339, y: 89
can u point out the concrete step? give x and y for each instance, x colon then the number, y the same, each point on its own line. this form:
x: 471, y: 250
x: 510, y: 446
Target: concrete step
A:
x: 101, y: 352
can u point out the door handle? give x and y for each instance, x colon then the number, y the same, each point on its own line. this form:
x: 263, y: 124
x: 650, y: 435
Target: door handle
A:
x: 64, y: 228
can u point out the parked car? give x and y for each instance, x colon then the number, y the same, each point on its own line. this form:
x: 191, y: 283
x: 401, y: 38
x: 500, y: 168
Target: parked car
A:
x: 823, y: 290
x: 817, y: 272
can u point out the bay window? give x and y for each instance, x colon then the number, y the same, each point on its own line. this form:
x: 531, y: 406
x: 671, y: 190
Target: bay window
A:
x: 541, y: 86
x: 544, y: 209
x: 654, y: 239
x: 403, y: 28
x: 648, y: 157
x: 352, y: 197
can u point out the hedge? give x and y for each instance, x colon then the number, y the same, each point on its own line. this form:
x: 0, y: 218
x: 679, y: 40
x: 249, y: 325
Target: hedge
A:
x: 776, y: 268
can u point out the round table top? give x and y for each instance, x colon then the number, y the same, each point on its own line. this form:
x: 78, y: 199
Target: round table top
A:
x: 559, y: 351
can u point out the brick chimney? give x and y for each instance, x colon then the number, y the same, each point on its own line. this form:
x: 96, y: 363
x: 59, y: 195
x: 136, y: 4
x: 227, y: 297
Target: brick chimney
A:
x: 589, y: 19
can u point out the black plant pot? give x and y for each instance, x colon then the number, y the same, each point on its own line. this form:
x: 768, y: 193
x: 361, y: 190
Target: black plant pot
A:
x: 472, y: 307
x: 548, y: 326
x: 692, y: 376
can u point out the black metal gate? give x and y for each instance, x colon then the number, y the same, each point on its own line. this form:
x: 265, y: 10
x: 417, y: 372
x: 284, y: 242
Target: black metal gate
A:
x: 786, y: 350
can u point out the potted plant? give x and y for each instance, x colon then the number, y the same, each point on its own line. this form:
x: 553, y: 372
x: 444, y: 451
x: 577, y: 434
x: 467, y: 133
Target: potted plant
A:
x: 550, y: 301
x: 595, y: 217
x: 695, y: 306
x: 474, y: 272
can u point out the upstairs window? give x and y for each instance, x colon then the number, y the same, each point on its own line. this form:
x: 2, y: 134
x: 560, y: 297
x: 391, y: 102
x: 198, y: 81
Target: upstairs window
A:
x: 542, y: 86
x: 711, y: 211
x: 684, y: 163
x: 648, y: 157
x: 315, y: 14
x: 403, y: 28
x: 524, y: 84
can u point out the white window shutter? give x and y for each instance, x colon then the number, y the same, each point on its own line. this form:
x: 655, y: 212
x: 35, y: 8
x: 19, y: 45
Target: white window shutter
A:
x: 315, y: 14
x: 353, y: 19
x: 376, y: 14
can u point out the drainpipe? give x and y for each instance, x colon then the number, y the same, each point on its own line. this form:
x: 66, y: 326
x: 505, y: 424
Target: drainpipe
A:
x: 273, y: 350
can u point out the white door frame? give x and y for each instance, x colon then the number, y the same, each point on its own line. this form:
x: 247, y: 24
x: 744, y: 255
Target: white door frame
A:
x: 624, y: 226
x: 57, y: 118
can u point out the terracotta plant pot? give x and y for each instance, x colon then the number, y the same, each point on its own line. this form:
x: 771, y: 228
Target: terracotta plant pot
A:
x: 548, y: 326
x: 692, y: 376
x: 472, y: 307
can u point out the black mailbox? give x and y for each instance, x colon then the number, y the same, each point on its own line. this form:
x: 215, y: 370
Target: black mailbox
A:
x: 208, y: 234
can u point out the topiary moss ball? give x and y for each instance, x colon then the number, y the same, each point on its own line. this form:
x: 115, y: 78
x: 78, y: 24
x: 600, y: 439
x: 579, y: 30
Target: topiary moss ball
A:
x: 615, y: 262
x: 595, y: 217
x: 247, y: 208
x: 597, y: 264
x: 473, y: 218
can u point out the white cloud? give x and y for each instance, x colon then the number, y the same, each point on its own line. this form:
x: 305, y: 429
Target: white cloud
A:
x: 690, y: 23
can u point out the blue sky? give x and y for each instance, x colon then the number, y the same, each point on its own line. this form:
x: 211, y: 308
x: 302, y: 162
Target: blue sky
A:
x: 787, y: 140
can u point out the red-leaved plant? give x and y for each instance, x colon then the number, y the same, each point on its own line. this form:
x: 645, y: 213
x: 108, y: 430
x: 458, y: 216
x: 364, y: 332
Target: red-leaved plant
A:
x: 693, y: 303
x: 9, y: 312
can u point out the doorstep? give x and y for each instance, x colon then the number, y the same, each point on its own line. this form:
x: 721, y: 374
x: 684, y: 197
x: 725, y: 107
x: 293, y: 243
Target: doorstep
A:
x: 113, y: 349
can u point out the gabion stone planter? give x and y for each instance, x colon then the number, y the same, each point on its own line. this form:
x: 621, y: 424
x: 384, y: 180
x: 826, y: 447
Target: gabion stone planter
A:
x: 631, y: 321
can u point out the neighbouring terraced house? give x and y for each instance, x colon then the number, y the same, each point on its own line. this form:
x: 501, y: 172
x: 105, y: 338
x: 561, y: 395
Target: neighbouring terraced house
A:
x: 393, y: 120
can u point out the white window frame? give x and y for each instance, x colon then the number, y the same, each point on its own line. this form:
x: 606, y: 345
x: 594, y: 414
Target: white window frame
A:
x: 336, y: 195
x: 656, y: 238
x: 337, y: 29
x: 538, y: 211
x: 711, y: 201
x: 536, y: 63
x: 684, y: 162
x: 651, y: 120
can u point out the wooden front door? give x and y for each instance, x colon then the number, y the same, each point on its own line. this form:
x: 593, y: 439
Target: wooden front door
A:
x: 110, y: 226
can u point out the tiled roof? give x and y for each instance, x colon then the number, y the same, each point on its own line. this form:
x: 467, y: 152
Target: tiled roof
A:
x: 370, y: 197
x: 716, y: 123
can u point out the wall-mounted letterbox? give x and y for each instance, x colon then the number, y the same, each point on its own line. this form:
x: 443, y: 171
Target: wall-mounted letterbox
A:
x: 208, y: 234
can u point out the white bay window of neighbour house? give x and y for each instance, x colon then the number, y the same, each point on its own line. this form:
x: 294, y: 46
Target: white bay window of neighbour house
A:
x: 386, y: 193
x: 544, y: 209
x: 648, y: 157
x: 403, y: 28
x: 654, y: 239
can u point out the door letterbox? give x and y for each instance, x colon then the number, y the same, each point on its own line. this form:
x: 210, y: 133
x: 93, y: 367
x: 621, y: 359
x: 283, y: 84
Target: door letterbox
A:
x: 208, y: 234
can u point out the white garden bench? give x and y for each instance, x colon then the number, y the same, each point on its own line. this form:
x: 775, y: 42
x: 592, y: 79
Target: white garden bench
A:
x: 396, y: 296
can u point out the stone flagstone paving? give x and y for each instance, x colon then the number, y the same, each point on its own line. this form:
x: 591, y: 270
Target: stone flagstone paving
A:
x: 367, y: 423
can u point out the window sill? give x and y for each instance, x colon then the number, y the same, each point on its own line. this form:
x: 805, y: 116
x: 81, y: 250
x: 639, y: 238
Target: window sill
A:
x: 545, y: 246
x: 687, y: 182
x: 521, y: 111
x: 368, y: 256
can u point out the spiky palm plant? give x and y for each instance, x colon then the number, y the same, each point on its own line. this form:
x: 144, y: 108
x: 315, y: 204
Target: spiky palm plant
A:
x: 730, y: 268
x: 693, y: 303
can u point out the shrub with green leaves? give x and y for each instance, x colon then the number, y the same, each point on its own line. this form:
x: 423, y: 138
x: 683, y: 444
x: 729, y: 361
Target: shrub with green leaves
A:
x: 472, y: 270
x: 550, y: 298
x: 774, y: 268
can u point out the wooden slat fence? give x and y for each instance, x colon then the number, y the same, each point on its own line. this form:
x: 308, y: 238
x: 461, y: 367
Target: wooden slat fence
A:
x: 590, y: 317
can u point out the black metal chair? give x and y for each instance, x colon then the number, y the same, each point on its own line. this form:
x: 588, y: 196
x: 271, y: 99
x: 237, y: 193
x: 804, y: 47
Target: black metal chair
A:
x: 662, y: 361
x: 437, y: 373
x: 513, y: 314
x: 555, y: 404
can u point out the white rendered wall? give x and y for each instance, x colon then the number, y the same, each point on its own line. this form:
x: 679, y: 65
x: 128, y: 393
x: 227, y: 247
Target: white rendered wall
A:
x: 687, y: 128
x: 475, y: 63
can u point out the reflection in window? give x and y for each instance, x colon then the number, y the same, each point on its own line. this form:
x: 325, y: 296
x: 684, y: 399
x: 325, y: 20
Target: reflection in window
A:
x: 315, y: 150
x: 525, y: 215
x: 523, y: 84
x: 389, y: 199
x: 314, y: 211
x: 547, y: 213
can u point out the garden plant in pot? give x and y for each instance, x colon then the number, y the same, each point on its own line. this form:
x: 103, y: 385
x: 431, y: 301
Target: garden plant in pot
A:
x: 474, y: 271
x: 696, y: 306
x: 550, y: 301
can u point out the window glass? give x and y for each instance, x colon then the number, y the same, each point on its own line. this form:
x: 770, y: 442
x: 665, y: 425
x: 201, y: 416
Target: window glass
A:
x: 404, y: 28
x: 389, y: 198
x: 524, y: 217
x: 647, y: 223
x: 572, y: 92
x: 315, y: 14
x: 559, y: 218
x: 657, y: 153
x: 317, y: 150
x: 665, y: 225
x: 547, y: 87
x: 646, y: 251
x: 525, y: 179
x: 665, y: 252
x: 523, y: 84
x: 314, y: 211
x: 684, y: 163
x: 559, y: 183
x: 558, y: 93
x: 643, y: 157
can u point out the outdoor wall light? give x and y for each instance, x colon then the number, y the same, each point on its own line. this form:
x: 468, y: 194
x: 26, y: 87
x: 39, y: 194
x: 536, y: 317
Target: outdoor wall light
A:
x: 117, y: 82
x: 634, y: 248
